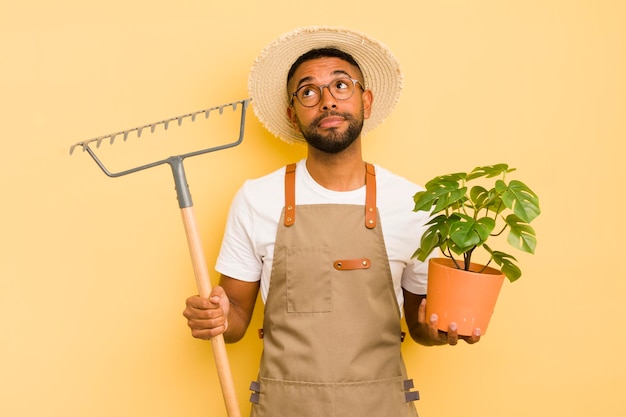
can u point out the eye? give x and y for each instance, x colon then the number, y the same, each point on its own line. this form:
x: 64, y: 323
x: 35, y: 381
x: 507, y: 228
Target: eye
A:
x: 308, y: 91
x: 341, y: 84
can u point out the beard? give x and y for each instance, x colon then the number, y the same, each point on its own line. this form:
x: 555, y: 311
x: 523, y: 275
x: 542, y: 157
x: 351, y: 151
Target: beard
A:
x: 334, y: 141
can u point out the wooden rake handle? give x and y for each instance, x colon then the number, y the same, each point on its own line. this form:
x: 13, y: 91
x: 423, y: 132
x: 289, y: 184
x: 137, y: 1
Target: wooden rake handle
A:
x: 191, y: 229
x: 204, y: 287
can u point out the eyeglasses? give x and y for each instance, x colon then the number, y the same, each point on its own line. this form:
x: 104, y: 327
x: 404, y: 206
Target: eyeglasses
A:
x: 309, y: 95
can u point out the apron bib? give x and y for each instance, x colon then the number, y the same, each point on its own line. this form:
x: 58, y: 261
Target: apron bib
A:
x: 331, y: 332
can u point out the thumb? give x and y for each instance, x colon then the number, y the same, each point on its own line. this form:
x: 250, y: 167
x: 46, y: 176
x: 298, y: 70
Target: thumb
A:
x: 218, y: 297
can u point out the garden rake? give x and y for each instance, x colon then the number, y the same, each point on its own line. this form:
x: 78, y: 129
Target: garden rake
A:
x: 191, y: 229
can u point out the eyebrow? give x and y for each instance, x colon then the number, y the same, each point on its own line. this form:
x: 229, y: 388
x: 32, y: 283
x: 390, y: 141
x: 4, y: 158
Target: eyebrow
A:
x: 309, y: 79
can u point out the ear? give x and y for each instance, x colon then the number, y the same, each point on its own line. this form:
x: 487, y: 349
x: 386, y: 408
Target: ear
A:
x: 368, y: 99
x: 291, y: 114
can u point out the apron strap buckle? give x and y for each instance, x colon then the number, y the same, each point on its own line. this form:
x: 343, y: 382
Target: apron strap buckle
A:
x: 409, y: 395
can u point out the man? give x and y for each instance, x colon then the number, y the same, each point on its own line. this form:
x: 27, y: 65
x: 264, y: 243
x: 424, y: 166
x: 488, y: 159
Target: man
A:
x: 328, y: 240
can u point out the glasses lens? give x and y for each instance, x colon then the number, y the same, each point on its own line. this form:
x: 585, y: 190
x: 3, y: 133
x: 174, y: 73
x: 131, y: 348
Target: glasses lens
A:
x: 308, y: 95
x: 341, y: 89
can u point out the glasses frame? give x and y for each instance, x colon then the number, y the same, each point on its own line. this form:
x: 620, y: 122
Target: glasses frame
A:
x: 321, y: 89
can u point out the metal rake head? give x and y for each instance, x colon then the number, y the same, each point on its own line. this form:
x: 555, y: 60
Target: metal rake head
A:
x: 166, y: 123
x: 175, y: 162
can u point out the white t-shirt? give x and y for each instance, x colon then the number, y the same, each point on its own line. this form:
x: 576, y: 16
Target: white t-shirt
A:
x: 248, y: 246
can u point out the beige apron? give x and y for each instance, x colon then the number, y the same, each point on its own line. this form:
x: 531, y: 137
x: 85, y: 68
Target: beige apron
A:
x: 331, y: 331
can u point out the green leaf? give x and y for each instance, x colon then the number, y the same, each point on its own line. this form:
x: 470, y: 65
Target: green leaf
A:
x: 489, y: 171
x: 438, y: 196
x: 479, y: 196
x: 430, y: 240
x: 457, y: 177
x: 510, y: 270
x: 433, y: 237
x: 521, y: 235
x: 505, y: 261
x: 519, y: 198
x: 467, y: 233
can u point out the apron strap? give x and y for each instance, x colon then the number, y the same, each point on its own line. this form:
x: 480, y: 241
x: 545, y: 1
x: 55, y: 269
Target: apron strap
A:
x: 290, y: 194
x: 370, y: 195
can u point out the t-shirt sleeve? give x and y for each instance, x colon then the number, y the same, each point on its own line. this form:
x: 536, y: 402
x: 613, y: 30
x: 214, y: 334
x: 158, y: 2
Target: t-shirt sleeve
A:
x: 237, y: 257
x: 406, y: 228
x: 415, y: 276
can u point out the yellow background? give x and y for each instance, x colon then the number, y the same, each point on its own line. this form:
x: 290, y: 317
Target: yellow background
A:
x: 94, y: 271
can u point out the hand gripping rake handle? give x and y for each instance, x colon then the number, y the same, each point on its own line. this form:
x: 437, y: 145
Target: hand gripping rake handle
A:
x: 185, y: 203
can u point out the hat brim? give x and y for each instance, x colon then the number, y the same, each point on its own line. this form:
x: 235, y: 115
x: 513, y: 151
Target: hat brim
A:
x: 267, y: 83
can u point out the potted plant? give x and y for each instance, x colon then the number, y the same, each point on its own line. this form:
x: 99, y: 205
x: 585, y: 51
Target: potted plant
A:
x: 465, y: 214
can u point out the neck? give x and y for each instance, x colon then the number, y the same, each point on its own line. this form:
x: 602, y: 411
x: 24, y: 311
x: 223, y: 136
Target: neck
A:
x: 344, y: 171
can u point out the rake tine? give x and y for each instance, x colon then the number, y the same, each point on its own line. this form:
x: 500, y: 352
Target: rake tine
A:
x: 179, y: 119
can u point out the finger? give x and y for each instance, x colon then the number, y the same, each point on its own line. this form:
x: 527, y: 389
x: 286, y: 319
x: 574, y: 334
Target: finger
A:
x: 197, y: 302
x: 205, y: 312
x: 206, y: 334
x: 214, y: 298
x: 217, y: 291
x: 474, y: 338
x: 453, y: 336
x: 421, y: 312
x: 207, y: 328
x: 433, y: 332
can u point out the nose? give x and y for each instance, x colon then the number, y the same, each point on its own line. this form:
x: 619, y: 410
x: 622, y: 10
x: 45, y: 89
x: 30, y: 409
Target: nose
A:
x: 326, y: 99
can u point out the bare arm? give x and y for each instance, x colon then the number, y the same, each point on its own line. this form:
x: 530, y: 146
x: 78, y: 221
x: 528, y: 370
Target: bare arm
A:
x: 425, y: 332
x: 228, y: 310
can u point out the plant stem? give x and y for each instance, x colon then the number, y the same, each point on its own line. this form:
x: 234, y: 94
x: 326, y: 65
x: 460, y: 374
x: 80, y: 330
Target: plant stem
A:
x: 486, y: 265
x: 501, y: 231
x: 449, y: 255
x: 467, y: 256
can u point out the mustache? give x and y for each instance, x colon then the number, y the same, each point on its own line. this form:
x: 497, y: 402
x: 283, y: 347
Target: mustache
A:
x: 318, y: 119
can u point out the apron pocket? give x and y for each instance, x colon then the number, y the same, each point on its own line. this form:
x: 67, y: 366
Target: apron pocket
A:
x: 308, y: 280
x: 294, y: 399
x: 379, y: 398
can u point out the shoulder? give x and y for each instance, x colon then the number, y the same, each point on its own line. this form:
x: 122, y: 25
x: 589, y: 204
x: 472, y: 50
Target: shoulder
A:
x: 271, y: 179
x: 258, y: 188
x: 386, y: 176
x: 395, y: 201
x: 393, y: 188
x: 263, y: 193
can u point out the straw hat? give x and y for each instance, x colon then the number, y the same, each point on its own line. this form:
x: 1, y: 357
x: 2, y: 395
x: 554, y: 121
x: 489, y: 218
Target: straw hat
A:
x: 267, y: 84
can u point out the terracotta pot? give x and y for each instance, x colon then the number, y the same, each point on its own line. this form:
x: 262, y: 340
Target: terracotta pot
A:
x: 465, y: 297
